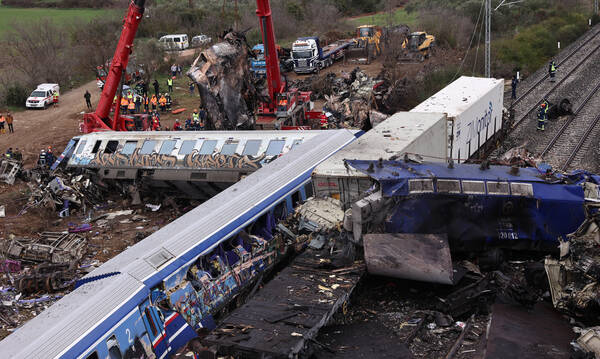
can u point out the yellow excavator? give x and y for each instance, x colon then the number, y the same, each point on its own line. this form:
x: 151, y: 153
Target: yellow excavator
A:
x: 367, y: 45
x: 417, y: 46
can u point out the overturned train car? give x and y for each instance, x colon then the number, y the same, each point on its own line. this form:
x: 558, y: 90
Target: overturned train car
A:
x: 149, y: 300
x: 464, y: 207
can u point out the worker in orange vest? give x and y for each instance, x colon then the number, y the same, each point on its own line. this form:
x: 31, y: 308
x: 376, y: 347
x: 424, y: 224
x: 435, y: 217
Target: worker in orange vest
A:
x: 153, y: 101
x: 163, y: 103
x: 124, y: 104
x: 131, y: 107
x: 146, y: 104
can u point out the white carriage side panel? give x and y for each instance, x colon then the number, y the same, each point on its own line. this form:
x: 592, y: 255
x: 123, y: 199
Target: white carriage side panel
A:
x: 474, y: 106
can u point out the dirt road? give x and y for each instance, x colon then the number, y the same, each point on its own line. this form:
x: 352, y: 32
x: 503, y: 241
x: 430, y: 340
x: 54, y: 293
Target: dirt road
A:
x: 37, y: 129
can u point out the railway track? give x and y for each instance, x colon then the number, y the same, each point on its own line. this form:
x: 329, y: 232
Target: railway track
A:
x: 530, y: 106
x: 574, y: 137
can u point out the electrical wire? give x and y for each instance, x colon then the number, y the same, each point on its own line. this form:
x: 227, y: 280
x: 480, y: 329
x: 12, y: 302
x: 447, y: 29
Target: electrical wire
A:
x: 477, y: 52
x: 471, y: 41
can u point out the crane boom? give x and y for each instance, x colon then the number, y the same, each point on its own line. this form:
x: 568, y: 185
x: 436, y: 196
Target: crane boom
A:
x: 99, y: 120
x: 275, y: 85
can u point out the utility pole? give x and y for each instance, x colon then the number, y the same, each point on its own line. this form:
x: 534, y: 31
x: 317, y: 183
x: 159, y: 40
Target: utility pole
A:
x: 596, y: 7
x: 488, y: 35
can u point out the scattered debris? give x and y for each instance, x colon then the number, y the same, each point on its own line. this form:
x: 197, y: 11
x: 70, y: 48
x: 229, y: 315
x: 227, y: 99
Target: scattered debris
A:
x: 51, y: 247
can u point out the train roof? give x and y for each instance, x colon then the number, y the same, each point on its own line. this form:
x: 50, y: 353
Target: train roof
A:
x: 159, y: 135
x: 391, y: 137
x: 461, y: 94
x: 93, y: 308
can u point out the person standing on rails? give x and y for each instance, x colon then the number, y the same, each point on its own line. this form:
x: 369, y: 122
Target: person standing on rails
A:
x: 542, y: 113
x: 9, y: 122
x: 88, y: 99
x: 513, y: 86
x: 552, y: 70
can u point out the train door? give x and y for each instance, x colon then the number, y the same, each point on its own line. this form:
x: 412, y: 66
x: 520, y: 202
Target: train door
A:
x: 155, y: 326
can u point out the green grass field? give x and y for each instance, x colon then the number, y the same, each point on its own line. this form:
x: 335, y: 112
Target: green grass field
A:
x: 8, y: 15
x: 399, y: 16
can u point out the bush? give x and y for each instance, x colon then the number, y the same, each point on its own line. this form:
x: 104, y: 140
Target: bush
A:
x: 16, y: 95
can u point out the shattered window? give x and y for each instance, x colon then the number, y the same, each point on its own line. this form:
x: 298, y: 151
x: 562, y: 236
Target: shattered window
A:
x: 275, y: 147
x: 129, y: 147
x: 114, y: 352
x: 96, y: 146
x: 522, y: 189
x: 420, y: 185
x: 497, y: 187
x: 94, y: 355
x: 252, y: 147
x: 208, y: 147
x: 81, y: 146
x: 448, y: 186
x: 308, y: 189
x: 111, y: 147
x: 229, y: 148
x: 473, y: 187
x: 167, y: 147
x: 187, y: 147
x: 148, y: 147
x: 296, y: 142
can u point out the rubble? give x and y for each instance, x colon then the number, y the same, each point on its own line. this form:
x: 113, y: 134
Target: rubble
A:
x: 9, y: 169
x: 50, y: 247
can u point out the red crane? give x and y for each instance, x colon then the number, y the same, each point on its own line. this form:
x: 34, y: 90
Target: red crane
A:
x: 100, y: 120
x: 286, y: 109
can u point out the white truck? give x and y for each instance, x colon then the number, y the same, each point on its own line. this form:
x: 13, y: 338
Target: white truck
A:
x: 474, y: 109
x: 309, y: 56
x: 41, y: 97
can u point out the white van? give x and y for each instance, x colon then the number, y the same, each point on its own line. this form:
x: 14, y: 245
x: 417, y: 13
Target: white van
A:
x: 174, y: 42
x: 42, y: 96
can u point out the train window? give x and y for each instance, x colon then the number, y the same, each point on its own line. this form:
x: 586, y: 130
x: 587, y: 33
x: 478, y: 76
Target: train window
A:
x: 81, y: 146
x: 111, y: 147
x: 448, y: 186
x: 275, y: 147
x: 252, y: 147
x: 500, y: 188
x: 94, y: 355
x: 296, y: 142
x: 96, y: 146
x: 308, y: 189
x: 114, y: 352
x: 187, y: 147
x: 129, y: 147
x: 279, y: 212
x: 522, y: 189
x: 473, y: 187
x: 229, y: 148
x: 420, y: 185
x: 150, y: 321
x: 208, y: 147
x: 295, y: 198
x: 148, y: 147
x: 167, y: 147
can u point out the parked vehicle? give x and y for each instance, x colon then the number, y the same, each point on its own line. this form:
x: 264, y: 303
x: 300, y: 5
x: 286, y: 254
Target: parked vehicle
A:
x: 258, y: 65
x: 174, y: 42
x: 309, y: 56
x: 201, y: 40
x: 132, y: 75
x: 41, y: 96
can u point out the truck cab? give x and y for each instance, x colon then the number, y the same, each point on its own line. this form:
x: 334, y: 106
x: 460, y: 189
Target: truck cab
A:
x: 258, y: 66
x: 307, y: 55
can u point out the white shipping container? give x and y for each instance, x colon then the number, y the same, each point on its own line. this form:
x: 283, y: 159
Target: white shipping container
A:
x: 474, y: 109
x: 404, y: 132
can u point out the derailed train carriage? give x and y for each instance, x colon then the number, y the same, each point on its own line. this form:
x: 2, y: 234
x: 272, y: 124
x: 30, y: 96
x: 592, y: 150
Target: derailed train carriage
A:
x: 149, y: 300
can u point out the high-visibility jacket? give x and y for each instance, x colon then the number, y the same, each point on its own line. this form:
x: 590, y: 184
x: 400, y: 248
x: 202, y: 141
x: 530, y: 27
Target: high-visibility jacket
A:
x: 552, y: 67
x: 2, y: 119
x: 170, y: 82
x: 146, y: 100
x: 130, y: 96
x: 196, y: 116
x: 124, y: 101
x: 131, y: 105
x: 153, y: 100
x: 162, y: 101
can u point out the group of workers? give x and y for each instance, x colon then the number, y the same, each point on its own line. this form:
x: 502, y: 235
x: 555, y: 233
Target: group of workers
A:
x: 194, y: 123
x: 6, y: 121
x: 132, y: 103
x: 46, y: 158
x: 13, y: 154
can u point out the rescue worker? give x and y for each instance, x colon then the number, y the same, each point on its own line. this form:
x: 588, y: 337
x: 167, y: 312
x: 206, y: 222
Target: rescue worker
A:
x: 88, y: 99
x: 173, y: 70
x: 155, y: 122
x: 2, y: 121
x: 162, y: 102
x: 129, y: 96
x: 124, y: 105
x: 552, y: 70
x: 131, y: 107
x: 154, y: 102
x: 203, y: 115
x: 513, y: 86
x: 156, y: 87
x: 55, y: 98
x: 196, y: 116
x: 9, y: 122
x: 138, y: 104
x: 542, y: 113
x: 42, y: 159
x: 17, y: 155
x: 188, y: 124
x: 9, y: 153
x: 49, y: 156
x: 146, y: 104
x: 192, y: 86
x: 176, y: 125
x: 170, y: 84
x: 169, y: 101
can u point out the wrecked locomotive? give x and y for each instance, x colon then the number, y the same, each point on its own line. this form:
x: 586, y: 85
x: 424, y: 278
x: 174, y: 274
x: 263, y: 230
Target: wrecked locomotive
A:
x: 150, y: 299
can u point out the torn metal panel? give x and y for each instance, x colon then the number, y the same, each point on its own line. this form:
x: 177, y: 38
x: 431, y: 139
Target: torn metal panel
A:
x: 589, y: 340
x: 223, y: 78
x: 47, y: 277
x: 320, y: 214
x: 540, y: 333
x: 51, y: 247
x: 422, y: 257
x: 9, y: 169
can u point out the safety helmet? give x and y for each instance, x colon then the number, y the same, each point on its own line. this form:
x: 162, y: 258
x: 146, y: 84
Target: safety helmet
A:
x: 543, y: 104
